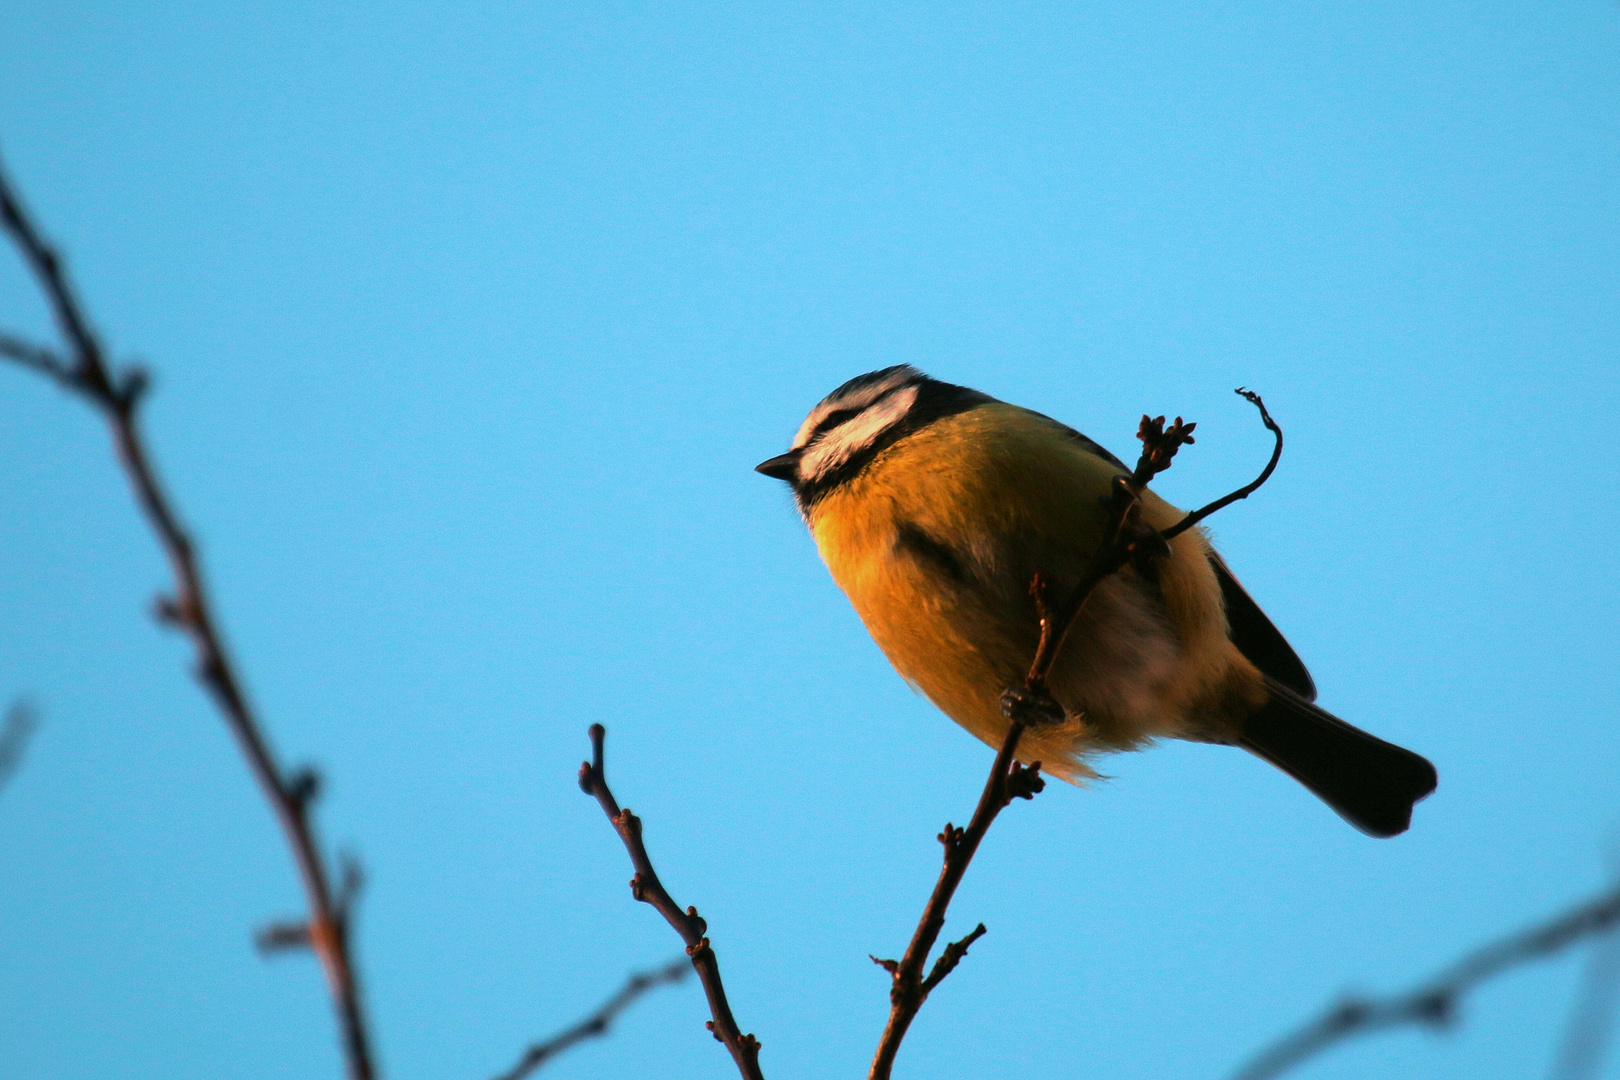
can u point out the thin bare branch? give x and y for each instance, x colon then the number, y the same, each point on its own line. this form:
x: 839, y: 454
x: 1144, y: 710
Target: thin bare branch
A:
x: 646, y: 887
x: 117, y: 394
x: 950, y: 957
x: 20, y: 723
x: 1434, y: 1004
x: 1247, y: 489
x: 282, y: 937
x: 596, y: 1025
x: 908, y: 989
x: 1125, y: 538
x: 36, y: 357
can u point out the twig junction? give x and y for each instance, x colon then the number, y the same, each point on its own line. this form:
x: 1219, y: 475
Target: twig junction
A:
x: 1436, y: 1003
x: 1126, y: 538
x: 86, y: 372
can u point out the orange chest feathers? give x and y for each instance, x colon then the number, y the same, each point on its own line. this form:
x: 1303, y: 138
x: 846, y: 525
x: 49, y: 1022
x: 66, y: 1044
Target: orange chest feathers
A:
x: 936, y: 542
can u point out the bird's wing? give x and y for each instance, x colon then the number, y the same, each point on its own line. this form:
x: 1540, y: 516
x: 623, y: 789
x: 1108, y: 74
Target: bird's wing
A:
x: 1257, y: 639
x: 1090, y: 445
x: 1253, y: 633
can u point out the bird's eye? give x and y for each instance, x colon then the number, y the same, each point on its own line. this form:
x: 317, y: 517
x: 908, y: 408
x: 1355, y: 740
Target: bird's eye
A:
x: 833, y: 419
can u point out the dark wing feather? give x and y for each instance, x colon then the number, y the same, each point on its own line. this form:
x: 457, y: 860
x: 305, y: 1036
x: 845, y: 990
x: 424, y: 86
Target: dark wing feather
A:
x: 1257, y: 639
x: 1252, y: 632
x: 1090, y: 445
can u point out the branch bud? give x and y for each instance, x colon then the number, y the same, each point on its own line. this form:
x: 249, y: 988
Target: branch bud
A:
x: 302, y: 785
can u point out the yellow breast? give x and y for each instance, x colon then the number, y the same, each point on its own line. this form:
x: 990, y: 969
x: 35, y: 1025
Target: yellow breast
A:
x: 936, y: 542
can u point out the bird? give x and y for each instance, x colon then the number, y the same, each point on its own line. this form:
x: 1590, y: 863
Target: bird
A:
x: 935, y: 506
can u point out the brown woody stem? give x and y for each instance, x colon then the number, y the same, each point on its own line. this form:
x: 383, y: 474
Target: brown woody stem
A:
x: 596, y: 1025
x: 89, y: 375
x: 1007, y: 780
x: 1124, y: 538
x: 646, y: 887
x: 1435, y: 1003
x: 1247, y: 489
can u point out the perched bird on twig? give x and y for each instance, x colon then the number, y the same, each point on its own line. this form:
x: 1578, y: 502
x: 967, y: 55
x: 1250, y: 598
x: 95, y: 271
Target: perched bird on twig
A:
x: 936, y: 506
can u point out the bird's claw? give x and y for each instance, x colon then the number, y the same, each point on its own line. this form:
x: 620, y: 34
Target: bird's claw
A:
x: 1031, y: 708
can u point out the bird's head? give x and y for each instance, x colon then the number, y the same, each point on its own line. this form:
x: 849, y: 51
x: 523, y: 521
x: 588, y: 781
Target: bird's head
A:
x: 858, y: 420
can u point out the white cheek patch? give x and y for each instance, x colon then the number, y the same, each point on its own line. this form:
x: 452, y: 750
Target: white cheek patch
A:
x: 856, y: 401
x: 848, y: 439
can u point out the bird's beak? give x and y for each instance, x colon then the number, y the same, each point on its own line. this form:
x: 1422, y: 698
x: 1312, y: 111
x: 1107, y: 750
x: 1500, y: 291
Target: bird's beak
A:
x: 781, y: 467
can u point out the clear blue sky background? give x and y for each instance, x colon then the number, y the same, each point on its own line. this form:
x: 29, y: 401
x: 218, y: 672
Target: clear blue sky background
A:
x: 470, y: 321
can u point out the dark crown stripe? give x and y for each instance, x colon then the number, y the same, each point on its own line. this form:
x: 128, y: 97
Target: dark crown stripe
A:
x: 935, y: 401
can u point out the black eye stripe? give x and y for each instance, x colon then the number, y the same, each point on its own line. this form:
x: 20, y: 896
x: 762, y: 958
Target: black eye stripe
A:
x: 836, y: 417
x: 934, y: 400
x: 842, y: 416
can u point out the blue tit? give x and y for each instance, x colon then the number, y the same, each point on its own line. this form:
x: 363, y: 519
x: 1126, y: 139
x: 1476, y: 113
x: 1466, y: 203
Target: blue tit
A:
x: 934, y: 506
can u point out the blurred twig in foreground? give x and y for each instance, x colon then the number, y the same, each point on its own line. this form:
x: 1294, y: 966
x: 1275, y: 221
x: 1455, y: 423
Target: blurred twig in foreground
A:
x: 85, y: 371
x: 596, y: 1025
x: 1435, y: 1004
x: 1591, y: 1019
x: 19, y: 726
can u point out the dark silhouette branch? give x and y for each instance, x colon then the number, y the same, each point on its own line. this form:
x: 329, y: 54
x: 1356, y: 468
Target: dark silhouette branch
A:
x: 1125, y: 538
x: 1008, y: 780
x: 14, y: 735
x: 87, y: 372
x: 596, y: 1025
x: 1436, y: 1003
x: 1247, y: 489
x: 950, y: 957
x: 646, y: 887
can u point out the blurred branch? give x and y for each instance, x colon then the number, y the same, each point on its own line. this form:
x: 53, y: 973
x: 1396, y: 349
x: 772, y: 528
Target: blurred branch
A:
x: 36, y: 357
x: 1591, y: 1019
x: 14, y: 735
x: 86, y: 371
x: 1126, y: 538
x: 1591, y: 1022
x: 1434, y: 1004
x: 596, y: 1025
x: 646, y: 887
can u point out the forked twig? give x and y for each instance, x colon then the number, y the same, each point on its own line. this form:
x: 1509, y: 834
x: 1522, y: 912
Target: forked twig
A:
x: 596, y: 1025
x: 1008, y: 780
x: 1434, y: 1004
x: 85, y: 371
x: 646, y: 887
x: 1125, y: 537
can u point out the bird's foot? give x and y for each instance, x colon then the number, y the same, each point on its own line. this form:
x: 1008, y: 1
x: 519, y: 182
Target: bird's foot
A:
x: 1031, y: 708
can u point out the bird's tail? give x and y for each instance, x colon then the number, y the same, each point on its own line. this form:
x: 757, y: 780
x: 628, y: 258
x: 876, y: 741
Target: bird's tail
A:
x: 1372, y: 784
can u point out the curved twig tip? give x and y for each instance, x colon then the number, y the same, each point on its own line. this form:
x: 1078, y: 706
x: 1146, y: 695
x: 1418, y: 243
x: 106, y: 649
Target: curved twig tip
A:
x: 1246, y: 490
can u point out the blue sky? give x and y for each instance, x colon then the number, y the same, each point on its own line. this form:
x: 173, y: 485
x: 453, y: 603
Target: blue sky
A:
x: 469, y: 323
